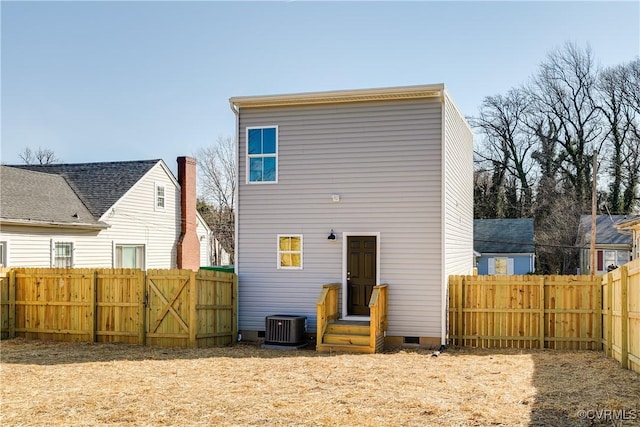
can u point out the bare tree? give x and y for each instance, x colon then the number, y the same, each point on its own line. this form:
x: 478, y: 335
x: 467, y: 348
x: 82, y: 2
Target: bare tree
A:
x: 41, y: 156
x: 564, y: 99
x: 506, y: 147
x: 631, y: 158
x: 218, y: 182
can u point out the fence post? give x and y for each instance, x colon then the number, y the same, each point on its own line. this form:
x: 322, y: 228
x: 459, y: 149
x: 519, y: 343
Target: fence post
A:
x: 541, y: 302
x: 193, y: 313
x: 598, y: 331
x: 460, y: 285
x: 142, y: 307
x: 624, y: 317
x: 94, y: 296
x: 11, y: 276
x: 609, y: 332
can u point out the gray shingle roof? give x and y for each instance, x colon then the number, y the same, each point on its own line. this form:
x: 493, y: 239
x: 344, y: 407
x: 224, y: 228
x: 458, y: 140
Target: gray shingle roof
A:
x: 98, y: 185
x: 34, y: 197
x: 606, y: 233
x: 503, y: 235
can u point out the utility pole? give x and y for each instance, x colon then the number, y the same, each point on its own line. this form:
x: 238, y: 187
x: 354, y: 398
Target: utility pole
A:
x: 594, y: 202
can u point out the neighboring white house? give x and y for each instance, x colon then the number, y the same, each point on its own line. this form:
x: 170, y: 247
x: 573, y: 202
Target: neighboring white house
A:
x: 613, y: 245
x: 631, y: 225
x: 110, y: 214
x: 358, y: 187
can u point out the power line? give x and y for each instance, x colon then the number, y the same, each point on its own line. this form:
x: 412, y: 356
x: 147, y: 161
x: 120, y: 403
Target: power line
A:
x: 530, y: 244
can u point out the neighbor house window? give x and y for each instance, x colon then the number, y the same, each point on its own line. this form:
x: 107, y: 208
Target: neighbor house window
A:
x: 130, y: 256
x: 610, y: 259
x: 62, y: 255
x: 262, y: 154
x: 290, y: 252
x: 160, y: 196
x: 500, y: 266
x: 3, y: 254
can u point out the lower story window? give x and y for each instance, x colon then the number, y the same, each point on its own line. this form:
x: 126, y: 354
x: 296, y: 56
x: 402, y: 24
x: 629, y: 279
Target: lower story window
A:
x: 63, y: 255
x: 501, y: 266
x: 3, y: 254
x: 130, y: 256
x: 610, y: 260
x: 290, y: 252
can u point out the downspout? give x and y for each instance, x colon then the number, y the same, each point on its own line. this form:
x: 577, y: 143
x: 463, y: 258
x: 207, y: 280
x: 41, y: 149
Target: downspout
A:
x: 236, y: 113
x: 444, y: 303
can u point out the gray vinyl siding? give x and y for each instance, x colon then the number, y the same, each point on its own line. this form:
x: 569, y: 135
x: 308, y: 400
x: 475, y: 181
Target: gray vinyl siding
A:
x: 384, y: 160
x: 458, y: 206
x: 457, y: 212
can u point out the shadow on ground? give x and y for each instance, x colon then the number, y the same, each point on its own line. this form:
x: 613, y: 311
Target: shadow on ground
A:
x: 574, y: 388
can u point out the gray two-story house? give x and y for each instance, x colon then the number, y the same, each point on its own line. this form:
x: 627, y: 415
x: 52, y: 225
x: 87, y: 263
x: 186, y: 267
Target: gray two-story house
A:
x: 358, y: 188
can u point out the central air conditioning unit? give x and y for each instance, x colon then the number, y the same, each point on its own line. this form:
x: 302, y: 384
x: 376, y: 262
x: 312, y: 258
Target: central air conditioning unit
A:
x: 285, y: 329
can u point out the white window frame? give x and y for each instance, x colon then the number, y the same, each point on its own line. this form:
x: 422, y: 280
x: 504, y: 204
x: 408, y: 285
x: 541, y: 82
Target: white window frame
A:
x: 129, y: 244
x: 253, y: 156
x: 157, y: 186
x: 4, y: 253
x: 54, y: 243
x: 279, y: 252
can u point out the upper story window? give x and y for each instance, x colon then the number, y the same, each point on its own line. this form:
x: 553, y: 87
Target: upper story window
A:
x: 62, y: 255
x: 262, y: 154
x: 290, y: 252
x: 160, y: 196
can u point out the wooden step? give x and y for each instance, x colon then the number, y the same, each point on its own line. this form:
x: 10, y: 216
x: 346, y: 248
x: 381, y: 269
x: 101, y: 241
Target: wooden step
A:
x: 354, y: 339
x: 346, y: 348
x: 348, y: 328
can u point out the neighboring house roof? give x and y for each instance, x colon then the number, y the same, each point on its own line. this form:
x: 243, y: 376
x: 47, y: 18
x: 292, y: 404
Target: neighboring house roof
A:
x: 629, y: 223
x: 98, y: 185
x: 503, y: 235
x: 35, y: 198
x: 606, y: 232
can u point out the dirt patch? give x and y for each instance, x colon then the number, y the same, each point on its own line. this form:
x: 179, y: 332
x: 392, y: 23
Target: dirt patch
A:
x: 45, y: 383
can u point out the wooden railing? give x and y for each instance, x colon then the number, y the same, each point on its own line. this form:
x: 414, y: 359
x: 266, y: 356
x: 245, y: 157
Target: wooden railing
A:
x: 378, y: 316
x: 327, y: 308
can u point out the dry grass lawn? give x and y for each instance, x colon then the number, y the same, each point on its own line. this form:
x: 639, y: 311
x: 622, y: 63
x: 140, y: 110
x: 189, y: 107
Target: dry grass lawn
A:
x: 46, y: 383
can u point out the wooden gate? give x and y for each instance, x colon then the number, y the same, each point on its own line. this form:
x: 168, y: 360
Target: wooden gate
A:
x: 168, y: 308
x: 171, y: 308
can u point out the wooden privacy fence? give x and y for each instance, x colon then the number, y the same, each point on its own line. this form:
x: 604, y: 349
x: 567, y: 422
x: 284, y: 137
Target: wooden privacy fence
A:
x: 621, y: 315
x: 171, y: 308
x: 558, y: 312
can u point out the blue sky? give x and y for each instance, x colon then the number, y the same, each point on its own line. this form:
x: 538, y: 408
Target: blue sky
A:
x: 105, y: 81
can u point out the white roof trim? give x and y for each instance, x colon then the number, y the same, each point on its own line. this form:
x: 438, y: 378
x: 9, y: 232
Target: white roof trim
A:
x: 54, y: 224
x: 340, y: 96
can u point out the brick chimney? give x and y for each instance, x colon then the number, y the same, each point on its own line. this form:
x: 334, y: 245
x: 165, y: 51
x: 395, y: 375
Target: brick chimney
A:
x: 188, y: 244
